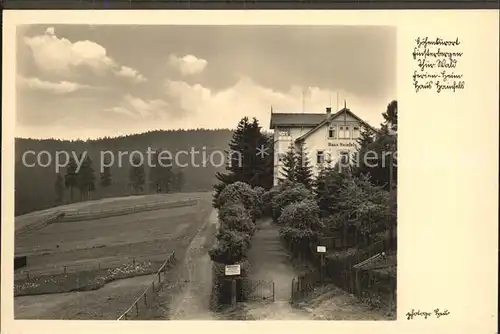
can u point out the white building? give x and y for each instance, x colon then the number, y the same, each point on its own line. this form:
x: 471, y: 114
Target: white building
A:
x: 325, y: 137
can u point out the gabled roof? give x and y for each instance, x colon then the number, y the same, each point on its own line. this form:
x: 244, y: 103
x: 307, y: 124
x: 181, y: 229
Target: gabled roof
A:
x: 296, y: 119
x: 331, y: 118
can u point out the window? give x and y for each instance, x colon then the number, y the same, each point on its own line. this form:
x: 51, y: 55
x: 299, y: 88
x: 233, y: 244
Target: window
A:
x: 331, y: 132
x: 344, y: 132
x: 284, y: 132
x: 355, y: 132
x: 320, y: 157
x: 344, y: 157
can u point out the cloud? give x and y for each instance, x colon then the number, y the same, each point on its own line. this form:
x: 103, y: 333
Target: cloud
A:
x: 127, y: 72
x: 59, y: 55
x: 136, y: 107
x: 188, y: 65
x: 215, y: 109
x: 62, y: 87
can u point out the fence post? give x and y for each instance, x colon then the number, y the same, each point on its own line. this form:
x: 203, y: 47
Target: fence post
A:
x: 65, y: 270
x: 273, y: 292
x: 153, y: 285
x: 233, y: 292
x: 133, y: 261
x: 159, y: 277
x: 146, y: 298
x: 137, y: 309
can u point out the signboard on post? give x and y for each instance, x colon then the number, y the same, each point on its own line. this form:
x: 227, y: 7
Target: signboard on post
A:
x: 232, y: 270
x: 321, y: 249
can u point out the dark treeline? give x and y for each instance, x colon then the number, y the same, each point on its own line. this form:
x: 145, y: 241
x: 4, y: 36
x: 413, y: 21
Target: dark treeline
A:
x: 39, y: 187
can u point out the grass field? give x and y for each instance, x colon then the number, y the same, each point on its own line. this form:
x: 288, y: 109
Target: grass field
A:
x: 87, y: 249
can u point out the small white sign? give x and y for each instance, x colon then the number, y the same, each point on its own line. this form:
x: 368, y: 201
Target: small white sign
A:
x: 232, y: 269
x: 321, y: 249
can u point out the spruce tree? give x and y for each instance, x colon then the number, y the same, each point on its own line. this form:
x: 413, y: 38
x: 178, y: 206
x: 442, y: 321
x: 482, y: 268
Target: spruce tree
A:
x: 105, y: 180
x: 250, y: 157
x: 154, y: 176
x: 59, y: 188
x: 137, y: 176
x: 374, y: 150
x: 70, y: 179
x: 165, y: 174
x: 289, y: 170
x: 328, y: 184
x: 303, y: 169
x: 86, y: 178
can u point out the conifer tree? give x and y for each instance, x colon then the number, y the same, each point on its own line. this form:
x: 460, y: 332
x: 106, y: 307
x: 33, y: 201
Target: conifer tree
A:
x: 70, y: 179
x: 137, y: 176
x: 249, y: 157
x: 289, y: 170
x: 59, y: 188
x: 303, y: 169
x: 105, y: 180
x: 86, y: 178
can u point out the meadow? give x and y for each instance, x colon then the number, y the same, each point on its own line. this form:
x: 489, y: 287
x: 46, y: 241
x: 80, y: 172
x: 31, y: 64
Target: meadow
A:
x: 87, y: 255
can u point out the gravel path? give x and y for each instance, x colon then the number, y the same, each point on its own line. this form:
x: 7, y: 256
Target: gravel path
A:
x: 193, y: 301
x: 269, y: 260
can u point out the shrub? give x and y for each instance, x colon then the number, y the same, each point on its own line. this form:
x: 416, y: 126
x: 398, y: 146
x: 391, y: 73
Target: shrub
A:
x: 301, y: 225
x: 259, y: 195
x: 267, y: 199
x: 222, y: 284
x: 239, y: 192
x: 365, y: 207
x: 301, y: 214
x: 236, y: 218
x: 288, y: 195
x: 231, y: 247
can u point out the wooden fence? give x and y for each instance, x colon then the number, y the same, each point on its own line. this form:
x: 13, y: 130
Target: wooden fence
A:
x: 378, y: 289
x: 304, y: 284
x: 30, y: 228
x: 83, y: 216
x: 146, y: 299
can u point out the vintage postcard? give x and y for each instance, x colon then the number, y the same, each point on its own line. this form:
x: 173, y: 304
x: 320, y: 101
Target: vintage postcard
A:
x: 235, y: 167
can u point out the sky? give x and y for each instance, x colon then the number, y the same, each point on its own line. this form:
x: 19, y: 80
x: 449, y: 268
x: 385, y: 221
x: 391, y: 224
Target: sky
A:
x: 86, y: 82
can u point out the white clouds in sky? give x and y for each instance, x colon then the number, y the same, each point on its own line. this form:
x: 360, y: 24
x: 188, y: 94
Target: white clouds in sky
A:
x: 62, y: 87
x: 215, y: 109
x: 127, y: 72
x: 187, y: 65
x: 138, y: 108
x: 61, y: 56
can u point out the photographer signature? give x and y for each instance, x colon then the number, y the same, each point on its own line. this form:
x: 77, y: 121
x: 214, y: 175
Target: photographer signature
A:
x: 437, y: 313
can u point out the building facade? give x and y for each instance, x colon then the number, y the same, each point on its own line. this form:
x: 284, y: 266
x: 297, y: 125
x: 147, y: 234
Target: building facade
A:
x: 325, y: 137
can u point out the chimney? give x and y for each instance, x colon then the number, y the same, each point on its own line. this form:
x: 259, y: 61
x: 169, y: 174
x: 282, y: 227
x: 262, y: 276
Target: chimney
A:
x: 328, y: 112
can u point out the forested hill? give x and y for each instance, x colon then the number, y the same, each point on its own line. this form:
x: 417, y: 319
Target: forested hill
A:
x: 35, y: 187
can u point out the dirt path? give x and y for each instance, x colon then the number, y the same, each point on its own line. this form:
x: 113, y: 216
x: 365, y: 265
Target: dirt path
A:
x: 193, y: 301
x: 270, y: 261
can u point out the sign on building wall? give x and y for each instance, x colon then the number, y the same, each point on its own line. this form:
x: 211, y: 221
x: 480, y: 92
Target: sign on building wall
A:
x: 342, y: 144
